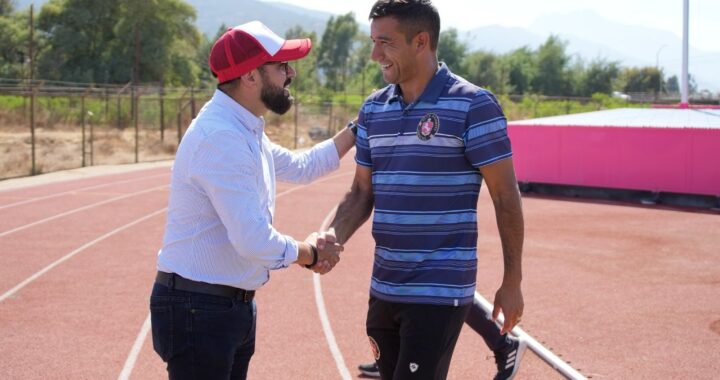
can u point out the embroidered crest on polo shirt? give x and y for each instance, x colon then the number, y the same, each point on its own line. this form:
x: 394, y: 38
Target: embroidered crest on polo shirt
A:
x: 428, y: 127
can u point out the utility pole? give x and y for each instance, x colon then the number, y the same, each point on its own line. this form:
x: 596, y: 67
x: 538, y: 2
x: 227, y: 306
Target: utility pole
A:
x: 136, y: 64
x: 136, y: 81
x: 31, y: 48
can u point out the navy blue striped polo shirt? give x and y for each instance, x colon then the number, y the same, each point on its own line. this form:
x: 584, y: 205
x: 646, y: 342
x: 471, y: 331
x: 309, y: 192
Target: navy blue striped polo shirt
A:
x: 424, y: 159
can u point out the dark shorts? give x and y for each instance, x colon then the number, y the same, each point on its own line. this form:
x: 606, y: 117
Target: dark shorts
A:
x: 413, y: 341
x: 202, y: 336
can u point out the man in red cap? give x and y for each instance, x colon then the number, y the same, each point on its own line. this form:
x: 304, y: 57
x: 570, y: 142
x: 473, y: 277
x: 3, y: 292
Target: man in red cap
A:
x: 220, y: 245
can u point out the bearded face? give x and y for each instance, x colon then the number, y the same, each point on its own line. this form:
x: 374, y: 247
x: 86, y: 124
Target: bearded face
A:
x: 276, y: 98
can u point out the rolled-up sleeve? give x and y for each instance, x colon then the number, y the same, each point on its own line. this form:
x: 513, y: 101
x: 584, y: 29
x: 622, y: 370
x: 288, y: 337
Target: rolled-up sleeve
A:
x: 227, y: 169
x: 307, y: 166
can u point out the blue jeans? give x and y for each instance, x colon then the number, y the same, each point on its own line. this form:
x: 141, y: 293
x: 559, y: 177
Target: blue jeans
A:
x: 202, y: 336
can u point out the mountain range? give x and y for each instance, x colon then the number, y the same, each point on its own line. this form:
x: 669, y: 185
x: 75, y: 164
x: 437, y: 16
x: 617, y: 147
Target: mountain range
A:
x: 587, y: 34
x: 631, y: 45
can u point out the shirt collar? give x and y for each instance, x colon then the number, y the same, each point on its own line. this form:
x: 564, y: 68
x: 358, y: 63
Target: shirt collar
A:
x: 237, y: 111
x: 432, y: 91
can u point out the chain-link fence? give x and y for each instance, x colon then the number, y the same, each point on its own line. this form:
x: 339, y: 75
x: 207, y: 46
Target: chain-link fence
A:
x: 47, y: 126
x: 50, y: 126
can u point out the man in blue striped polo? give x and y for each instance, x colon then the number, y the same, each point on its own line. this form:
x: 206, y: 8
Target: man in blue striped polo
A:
x: 424, y: 145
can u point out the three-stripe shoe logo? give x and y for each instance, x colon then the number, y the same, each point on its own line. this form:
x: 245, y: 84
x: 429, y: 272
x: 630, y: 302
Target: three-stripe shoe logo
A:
x: 510, y: 361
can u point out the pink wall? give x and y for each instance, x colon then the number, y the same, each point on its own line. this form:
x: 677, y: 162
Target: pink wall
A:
x: 656, y: 159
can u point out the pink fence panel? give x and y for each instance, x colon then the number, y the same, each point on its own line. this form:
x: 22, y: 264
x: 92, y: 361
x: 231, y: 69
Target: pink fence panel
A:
x: 679, y: 160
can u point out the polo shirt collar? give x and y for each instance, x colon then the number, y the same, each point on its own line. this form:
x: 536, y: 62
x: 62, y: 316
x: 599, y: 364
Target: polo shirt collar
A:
x: 432, y: 91
x: 237, y: 111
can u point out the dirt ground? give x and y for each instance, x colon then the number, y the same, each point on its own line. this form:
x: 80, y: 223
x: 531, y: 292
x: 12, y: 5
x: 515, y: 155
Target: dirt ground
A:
x: 61, y: 148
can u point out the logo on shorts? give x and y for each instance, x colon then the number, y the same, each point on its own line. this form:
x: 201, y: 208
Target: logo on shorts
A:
x: 414, y: 367
x: 428, y: 127
x: 375, y: 348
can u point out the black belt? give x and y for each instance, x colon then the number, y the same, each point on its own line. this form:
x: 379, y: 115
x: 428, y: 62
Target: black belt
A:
x: 175, y: 281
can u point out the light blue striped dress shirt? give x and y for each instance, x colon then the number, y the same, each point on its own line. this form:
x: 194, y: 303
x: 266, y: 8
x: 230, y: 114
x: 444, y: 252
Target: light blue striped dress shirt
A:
x: 222, y: 198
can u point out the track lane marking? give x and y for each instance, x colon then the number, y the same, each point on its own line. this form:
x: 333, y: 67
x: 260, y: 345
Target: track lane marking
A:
x: 26, y: 201
x: 135, y: 350
x: 142, y: 335
x: 324, y: 319
x: 41, y: 272
x: 73, y: 211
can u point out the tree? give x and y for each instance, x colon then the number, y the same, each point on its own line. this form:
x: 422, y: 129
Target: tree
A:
x: 575, y: 78
x: 205, y: 77
x: 95, y: 41
x: 671, y: 85
x: 160, y: 37
x: 306, y: 80
x: 14, y: 36
x: 642, y: 79
x: 366, y: 74
x: 79, y: 33
x: 452, y: 51
x: 334, y: 51
x: 521, y: 70
x: 485, y: 69
x: 599, y: 77
x: 552, y: 78
x: 6, y: 7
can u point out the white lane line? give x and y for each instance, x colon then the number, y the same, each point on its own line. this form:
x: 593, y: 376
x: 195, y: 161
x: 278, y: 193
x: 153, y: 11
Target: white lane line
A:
x: 327, y: 329
x: 135, y: 350
x: 56, y: 216
x: 325, y: 320
x: 26, y: 201
x: 130, y: 362
x: 75, y: 252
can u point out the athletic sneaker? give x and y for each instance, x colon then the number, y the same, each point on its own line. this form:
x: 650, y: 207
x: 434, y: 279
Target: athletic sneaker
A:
x: 369, y: 369
x: 508, y: 362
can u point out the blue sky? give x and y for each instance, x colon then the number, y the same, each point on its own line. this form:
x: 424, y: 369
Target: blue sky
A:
x: 468, y: 14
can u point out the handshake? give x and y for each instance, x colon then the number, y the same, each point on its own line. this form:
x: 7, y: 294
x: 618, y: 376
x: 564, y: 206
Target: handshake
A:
x: 325, y: 252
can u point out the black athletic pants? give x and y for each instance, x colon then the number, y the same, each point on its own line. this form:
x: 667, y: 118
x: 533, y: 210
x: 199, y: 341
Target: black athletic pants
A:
x: 413, y: 341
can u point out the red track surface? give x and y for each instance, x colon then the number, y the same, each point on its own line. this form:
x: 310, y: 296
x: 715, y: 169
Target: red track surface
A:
x: 620, y: 291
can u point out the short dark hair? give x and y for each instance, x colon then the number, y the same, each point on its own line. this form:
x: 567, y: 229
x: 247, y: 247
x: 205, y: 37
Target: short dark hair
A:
x: 228, y: 85
x: 415, y: 16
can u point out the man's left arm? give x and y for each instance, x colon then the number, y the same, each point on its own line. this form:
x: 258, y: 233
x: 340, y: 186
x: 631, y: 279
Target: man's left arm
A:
x: 503, y: 188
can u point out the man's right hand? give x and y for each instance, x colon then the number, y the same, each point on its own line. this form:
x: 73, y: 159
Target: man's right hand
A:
x: 328, y: 252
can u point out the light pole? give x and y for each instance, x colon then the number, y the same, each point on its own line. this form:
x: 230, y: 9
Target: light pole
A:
x: 657, y: 69
x: 684, y: 103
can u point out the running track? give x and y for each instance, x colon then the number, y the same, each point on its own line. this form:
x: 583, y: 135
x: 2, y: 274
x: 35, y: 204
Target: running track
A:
x: 620, y: 291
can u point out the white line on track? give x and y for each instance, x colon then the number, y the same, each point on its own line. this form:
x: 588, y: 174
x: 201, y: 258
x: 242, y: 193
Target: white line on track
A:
x: 142, y: 335
x: 75, y: 252
x: 327, y: 329
x: 26, y: 201
x: 324, y: 319
x: 20, y: 228
x: 135, y: 350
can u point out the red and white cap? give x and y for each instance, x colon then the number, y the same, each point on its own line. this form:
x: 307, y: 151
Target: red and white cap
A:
x: 248, y: 46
